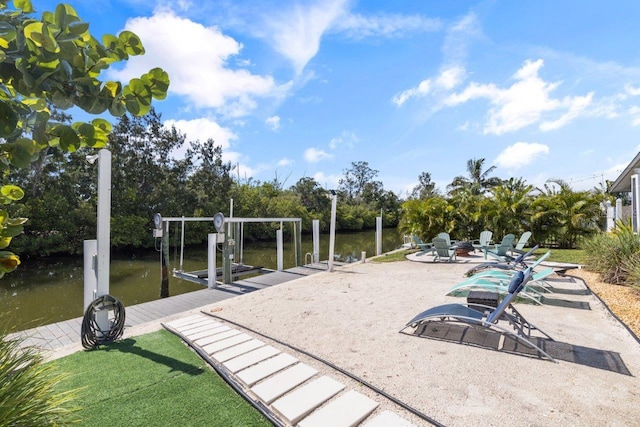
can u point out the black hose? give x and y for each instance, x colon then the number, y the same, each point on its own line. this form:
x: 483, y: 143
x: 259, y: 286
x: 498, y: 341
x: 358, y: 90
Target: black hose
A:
x: 91, y: 334
x: 339, y: 369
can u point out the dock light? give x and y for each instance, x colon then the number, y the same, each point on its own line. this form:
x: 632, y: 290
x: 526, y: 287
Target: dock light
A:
x: 218, y: 222
x: 157, y: 221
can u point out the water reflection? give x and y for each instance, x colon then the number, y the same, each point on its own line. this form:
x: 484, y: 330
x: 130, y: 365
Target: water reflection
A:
x: 48, y: 291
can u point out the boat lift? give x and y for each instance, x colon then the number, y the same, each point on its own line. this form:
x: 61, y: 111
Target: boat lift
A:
x: 230, y: 236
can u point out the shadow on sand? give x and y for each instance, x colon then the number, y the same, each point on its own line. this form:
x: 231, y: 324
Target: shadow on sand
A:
x: 468, y: 335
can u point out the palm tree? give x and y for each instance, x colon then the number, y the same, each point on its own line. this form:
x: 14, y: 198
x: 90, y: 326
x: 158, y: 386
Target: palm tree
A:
x: 508, y: 210
x: 563, y: 214
x: 478, y: 182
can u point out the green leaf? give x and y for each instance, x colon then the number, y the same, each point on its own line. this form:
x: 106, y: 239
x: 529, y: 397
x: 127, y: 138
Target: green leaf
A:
x: 21, y: 151
x: 24, y: 5
x: 61, y: 17
x: 7, y: 34
x: 68, y: 139
x: 116, y: 108
x: 102, y: 124
x: 8, y: 120
x: 159, y: 82
x: 35, y: 104
x: 78, y: 28
x: 132, y: 43
x: 12, y: 192
x: 33, y: 32
x: 61, y: 100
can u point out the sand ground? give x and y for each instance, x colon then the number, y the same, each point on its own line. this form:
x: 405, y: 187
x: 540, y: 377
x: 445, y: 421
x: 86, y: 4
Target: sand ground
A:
x: 352, y: 317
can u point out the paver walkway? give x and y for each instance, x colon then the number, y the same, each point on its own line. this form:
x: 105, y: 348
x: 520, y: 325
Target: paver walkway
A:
x: 293, y: 392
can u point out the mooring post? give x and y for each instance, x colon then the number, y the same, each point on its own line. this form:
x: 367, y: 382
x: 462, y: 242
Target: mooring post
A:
x: 90, y: 272
x: 297, y: 226
x: 164, y: 261
x: 279, y: 250
x: 316, y: 241
x: 378, y: 235
x: 211, y: 260
x: 332, y: 229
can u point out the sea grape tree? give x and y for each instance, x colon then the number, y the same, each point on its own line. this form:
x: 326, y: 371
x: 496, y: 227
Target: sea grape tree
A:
x: 55, y: 62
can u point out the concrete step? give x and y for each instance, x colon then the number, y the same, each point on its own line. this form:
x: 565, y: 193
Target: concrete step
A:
x: 209, y: 332
x: 218, y: 335
x: 268, y: 367
x: 347, y: 410
x: 387, y: 419
x: 282, y: 382
x: 251, y: 358
x: 237, y: 350
x: 297, y: 404
x: 219, y: 345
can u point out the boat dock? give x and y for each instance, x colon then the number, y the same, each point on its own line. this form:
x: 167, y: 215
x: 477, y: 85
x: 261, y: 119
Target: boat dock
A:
x: 67, y: 332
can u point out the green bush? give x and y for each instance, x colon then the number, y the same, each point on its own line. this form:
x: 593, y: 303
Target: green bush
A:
x: 615, y: 255
x: 27, y: 388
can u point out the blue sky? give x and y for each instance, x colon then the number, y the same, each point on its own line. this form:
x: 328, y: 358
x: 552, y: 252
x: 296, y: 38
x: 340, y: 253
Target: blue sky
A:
x: 541, y: 89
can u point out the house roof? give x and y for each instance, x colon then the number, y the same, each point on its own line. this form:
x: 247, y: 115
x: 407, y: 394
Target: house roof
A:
x: 623, y: 183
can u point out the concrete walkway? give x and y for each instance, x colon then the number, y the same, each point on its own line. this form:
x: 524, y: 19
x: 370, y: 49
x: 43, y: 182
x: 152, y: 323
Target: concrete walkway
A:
x: 57, y: 336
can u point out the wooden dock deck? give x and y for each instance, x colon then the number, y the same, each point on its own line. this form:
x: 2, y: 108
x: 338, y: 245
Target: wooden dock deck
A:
x: 67, y: 332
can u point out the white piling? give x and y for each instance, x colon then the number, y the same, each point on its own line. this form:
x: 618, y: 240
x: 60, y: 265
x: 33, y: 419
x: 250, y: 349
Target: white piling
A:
x: 90, y: 272
x: 363, y: 256
x: 378, y: 235
x: 279, y: 249
x: 316, y: 240
x: 212, y: 243
x: 332, y: 230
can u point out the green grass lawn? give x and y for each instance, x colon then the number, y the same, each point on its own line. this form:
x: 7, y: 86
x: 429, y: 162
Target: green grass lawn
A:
x: 152, y: 380
x: 574, y: 256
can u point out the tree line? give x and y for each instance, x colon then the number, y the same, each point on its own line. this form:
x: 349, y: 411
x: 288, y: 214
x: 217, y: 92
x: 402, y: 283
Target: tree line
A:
x: 555, y: 214
x: 147, y: 177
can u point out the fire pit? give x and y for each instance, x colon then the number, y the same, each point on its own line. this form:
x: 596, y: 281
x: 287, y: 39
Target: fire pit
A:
x: 464, y: 248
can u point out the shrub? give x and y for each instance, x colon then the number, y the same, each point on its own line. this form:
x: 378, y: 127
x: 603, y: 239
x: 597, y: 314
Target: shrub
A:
x: 614, y: 255
x: 27, y: 388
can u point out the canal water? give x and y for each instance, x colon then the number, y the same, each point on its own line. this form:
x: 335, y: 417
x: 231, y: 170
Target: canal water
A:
x: 51, y: 290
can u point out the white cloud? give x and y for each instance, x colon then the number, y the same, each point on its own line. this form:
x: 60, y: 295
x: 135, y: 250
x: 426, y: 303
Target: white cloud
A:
x: 423, y: 89
x: 634, y: 112
x: 446, y: 80
x: 198, y: 70
x: 284, y: 162
x: 313, y: 155
x: 383, y: 25
x: 203, y: 129
x: 295, y: 33
x: 630, y: 90
x: 520, y: 154
x: 458, y: 38
x: 577, y: 107
x: 346, y: 139
x: 327, y: 181
x: 273, y: 122
x: 450, y: 77
x: 523, y: 103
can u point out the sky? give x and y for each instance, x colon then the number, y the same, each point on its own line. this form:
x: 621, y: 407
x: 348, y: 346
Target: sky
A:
x: 541, y: 89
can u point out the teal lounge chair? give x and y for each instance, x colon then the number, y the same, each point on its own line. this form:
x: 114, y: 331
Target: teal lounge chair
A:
x: 484, y: 241
x: 425, y: 248
x: 502, y: 250
x: 500, y: 285
x: 487, y: 318
x: 444, y: 251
